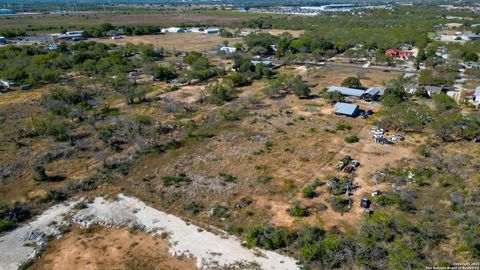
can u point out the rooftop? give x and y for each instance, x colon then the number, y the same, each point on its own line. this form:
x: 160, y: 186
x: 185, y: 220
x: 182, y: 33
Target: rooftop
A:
x: 346, y: 108
x: 346, y: 91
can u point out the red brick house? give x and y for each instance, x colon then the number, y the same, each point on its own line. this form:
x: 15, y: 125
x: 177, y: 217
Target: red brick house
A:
x: 398, y: 53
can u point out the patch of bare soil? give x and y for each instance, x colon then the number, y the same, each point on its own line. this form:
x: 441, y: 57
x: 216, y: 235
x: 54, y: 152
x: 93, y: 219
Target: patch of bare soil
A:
x: 372, y: 157
x: 100, y: 248
x: 176, y: 41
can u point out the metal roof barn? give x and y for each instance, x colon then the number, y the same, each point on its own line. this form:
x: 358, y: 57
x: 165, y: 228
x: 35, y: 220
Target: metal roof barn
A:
x: 346, y: 109
x: 346, y: 91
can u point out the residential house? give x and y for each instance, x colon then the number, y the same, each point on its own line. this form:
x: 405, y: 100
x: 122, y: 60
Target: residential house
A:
x: 474, y: 97
x: 268, y: 63
x: 347, y: 109
x: 431, y: 90
x: 453, y: 25
x: 399, y: 53
x: 470, y: 37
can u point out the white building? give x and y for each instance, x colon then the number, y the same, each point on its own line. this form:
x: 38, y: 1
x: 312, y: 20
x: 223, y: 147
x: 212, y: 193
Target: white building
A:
x: 211, y: 31
x: 173, y: 30
x: 228, y: 49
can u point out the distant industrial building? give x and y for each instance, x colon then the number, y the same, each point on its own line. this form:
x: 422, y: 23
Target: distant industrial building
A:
x: 6, y: 12
x: 173, y: 30
x: 69, y: 36
x: 211, y: 31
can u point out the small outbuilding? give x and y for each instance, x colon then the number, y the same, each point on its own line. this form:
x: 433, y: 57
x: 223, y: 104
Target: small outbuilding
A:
x: 347, y: 109
x: 370, y: 94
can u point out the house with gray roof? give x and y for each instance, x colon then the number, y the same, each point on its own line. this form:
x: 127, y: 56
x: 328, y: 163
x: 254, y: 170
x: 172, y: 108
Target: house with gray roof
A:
x: 433, y: 89
x: 347, y: 109
x: 370, y: 94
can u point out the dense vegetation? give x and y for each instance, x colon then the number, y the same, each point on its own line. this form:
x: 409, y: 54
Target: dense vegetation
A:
x: 434, y: 202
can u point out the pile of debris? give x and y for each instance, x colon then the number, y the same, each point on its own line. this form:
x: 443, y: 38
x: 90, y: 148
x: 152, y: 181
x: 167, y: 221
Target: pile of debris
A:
x: 379, y: 136
x: 347, y: 164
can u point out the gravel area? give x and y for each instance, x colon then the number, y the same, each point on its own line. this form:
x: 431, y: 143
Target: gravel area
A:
x: 23, y: 244
x: 211, y: 251
x: 207, y: 248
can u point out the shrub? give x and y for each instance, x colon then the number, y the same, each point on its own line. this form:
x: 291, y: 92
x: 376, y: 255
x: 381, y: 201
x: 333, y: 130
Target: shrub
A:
x: 309, y: 192
x: 343, y: 126
x: 193, y: 207
x: 297, y: 211
x: 175, y: 180
x: 269, y: 238
x: 6, y: 225
x: 340, y: 203
x: 352, y: 139
x: 38, y: 169
x: 264, y: 179
x: 220, y: 211
x: 80, y: 205
x: 227, y: 178
x: 55, y: 196
x: 19, y: 212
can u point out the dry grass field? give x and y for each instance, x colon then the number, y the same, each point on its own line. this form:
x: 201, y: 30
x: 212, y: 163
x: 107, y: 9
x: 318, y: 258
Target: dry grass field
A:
x: 176, y: 41
x: 47, y: 21
x: 302, y: 149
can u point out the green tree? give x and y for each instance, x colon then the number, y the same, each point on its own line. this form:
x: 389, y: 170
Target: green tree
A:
x: 334, y: 97
x: 301, y: 89
x: 191, y: 57
x: 352, y: 82
x: 394, y: 93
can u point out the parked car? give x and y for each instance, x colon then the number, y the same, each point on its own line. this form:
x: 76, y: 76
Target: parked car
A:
x: 365, y: 203
x: 355, y: 163
x: 348, y: 169
x: 26, y: 87
x: 346, y: 159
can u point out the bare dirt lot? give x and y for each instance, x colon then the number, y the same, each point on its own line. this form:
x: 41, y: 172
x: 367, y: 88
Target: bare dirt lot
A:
x: 176, y: 41
x: 324, y: 77
x: 100, y: 248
